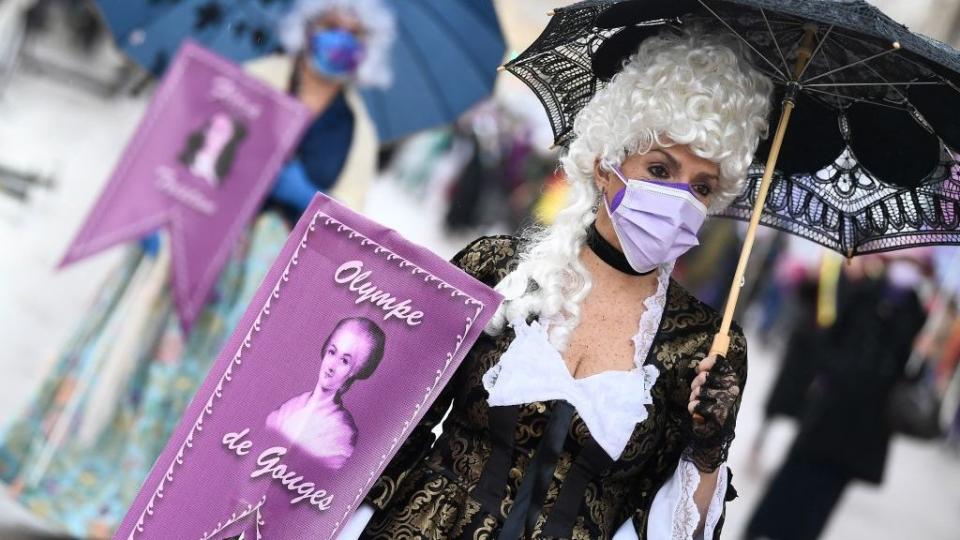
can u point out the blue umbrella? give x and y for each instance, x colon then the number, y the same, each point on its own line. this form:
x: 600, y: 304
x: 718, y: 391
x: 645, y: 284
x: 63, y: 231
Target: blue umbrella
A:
x: 150, y: 31
x: 444, y: 58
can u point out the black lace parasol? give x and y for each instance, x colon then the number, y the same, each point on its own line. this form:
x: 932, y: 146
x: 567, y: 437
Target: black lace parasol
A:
x: 866, y: 164
x: 867, y: 161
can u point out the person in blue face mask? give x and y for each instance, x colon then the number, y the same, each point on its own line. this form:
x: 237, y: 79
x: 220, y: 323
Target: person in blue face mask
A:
x: 336, y: 45
x: 335, y: 53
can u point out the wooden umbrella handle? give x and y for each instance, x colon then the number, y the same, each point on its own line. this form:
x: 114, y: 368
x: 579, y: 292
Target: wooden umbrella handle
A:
x: 721, y: 340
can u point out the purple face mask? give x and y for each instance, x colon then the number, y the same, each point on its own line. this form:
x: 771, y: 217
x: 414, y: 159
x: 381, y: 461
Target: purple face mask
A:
x: 656, y: 222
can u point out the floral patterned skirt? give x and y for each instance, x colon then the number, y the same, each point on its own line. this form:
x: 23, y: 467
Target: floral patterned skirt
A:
x: 77, y: 455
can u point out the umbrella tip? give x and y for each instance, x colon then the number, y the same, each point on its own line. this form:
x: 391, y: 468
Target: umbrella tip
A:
x: 896, y: 44
x: 501, y: 68
x: 551, y: 13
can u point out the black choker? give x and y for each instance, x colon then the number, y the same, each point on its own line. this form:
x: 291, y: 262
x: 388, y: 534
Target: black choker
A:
x: 609, y: 254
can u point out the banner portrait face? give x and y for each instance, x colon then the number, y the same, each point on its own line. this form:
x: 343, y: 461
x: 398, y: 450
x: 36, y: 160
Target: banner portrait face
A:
x: 349, y: 340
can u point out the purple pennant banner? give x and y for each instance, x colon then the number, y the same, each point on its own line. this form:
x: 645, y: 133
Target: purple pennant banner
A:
x: 200, y: 163
x: 349, y: 340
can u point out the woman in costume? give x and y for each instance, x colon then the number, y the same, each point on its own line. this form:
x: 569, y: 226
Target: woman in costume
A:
x: 316, y: 422
x: 573, y: 416
x: 78, y: 454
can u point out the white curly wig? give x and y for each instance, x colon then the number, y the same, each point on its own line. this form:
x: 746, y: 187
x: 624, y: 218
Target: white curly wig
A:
x: 684, y: 87
x: 375, y: 17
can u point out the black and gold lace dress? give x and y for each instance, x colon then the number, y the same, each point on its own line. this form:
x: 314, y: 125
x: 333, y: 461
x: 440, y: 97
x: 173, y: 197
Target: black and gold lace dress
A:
x: 533, y: 470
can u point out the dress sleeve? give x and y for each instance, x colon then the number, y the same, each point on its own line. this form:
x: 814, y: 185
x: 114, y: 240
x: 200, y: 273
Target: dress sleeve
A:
x: 673, y: 505
x: 674, y: 514
x: 485, y: 260
x: 488, y: 259
x: 675, y: 459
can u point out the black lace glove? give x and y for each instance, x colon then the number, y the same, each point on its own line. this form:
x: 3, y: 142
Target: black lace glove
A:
x: 714, y: 399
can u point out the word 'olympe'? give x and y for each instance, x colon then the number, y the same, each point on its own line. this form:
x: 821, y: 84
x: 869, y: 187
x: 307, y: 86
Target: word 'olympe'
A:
x: 352, y: 274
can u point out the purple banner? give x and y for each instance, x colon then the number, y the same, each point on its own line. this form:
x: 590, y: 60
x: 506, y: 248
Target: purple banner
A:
x: 348, y: 341
x: 201, y: 163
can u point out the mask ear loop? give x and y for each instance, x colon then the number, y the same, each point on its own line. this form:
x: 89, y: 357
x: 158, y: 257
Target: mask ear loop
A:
x: 612, y: 167
x: 616, y: 170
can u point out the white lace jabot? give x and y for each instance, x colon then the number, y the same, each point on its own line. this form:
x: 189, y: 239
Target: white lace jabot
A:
x: 610, y: 403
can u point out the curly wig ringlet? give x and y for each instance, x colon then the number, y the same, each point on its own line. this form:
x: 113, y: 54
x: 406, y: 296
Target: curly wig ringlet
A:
x: 686, y: 87
x: 375, y: 17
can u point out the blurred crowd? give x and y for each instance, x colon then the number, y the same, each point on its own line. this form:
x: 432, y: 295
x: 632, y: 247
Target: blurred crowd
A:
x: 868, y: 350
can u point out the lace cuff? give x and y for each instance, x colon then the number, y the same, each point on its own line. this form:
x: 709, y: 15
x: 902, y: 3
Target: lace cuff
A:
x: 674, y: 514
x: 719, y: 401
